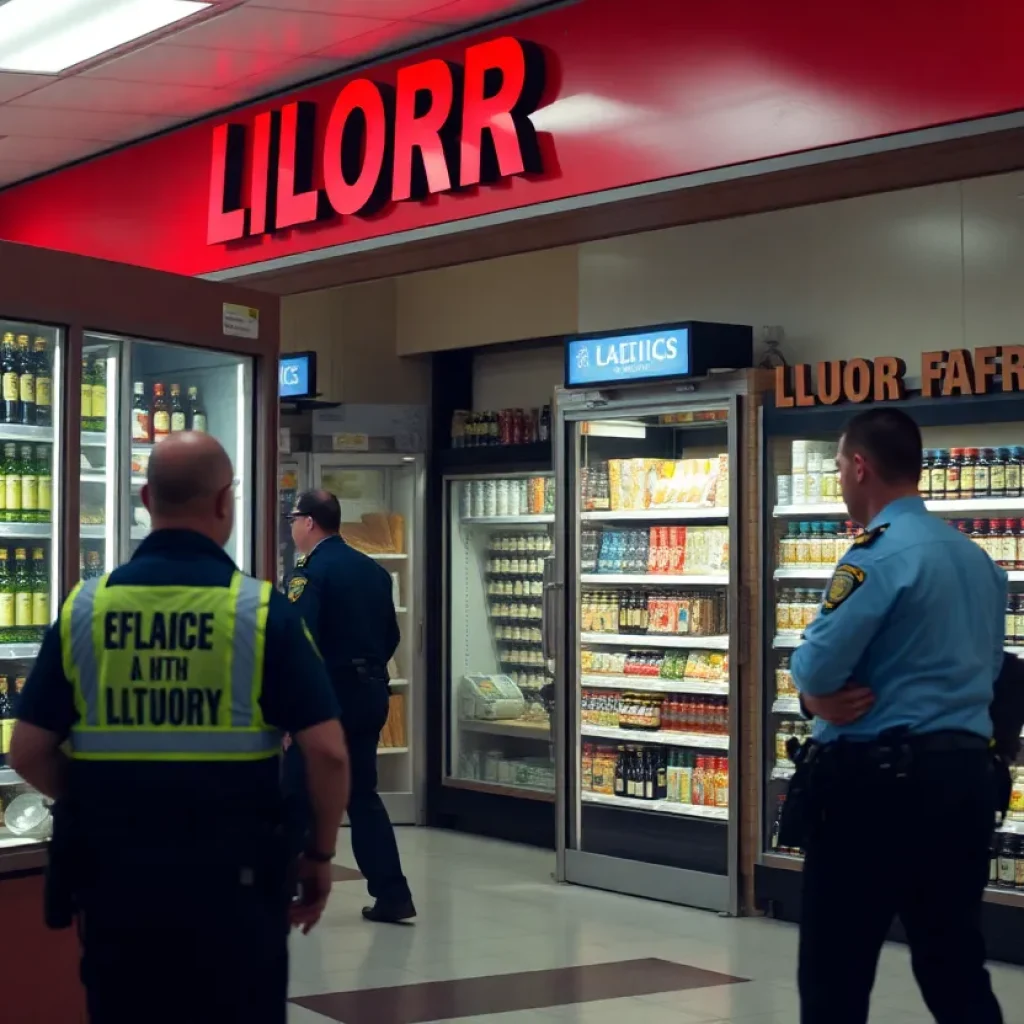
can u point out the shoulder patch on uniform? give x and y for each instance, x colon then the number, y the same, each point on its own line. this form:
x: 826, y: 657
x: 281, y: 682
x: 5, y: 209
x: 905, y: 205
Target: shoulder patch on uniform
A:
x: 301, y: 561
x: 870, y: 536
x: 295, y: 587
x: 845, y: 580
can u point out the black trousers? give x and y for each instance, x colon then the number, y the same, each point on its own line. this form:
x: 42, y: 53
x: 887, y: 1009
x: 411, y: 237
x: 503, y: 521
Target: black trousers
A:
x: 917, y: 849
x: 373, y: 837
x: 227, y: 965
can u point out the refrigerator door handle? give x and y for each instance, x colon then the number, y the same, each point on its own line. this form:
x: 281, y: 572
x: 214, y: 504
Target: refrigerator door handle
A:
x: 549, y: 611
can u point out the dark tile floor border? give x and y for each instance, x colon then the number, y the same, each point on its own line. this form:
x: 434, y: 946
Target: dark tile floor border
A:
x: 503, y: 993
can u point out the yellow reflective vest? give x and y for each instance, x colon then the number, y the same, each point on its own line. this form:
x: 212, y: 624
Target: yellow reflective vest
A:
x: 168, y: 673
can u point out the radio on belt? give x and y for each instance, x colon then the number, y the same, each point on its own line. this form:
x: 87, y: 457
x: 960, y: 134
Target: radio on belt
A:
x: 663, y: 352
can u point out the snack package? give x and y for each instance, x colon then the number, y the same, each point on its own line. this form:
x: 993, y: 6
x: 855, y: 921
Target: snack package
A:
x: 722, y: 486
x: 615, y: 484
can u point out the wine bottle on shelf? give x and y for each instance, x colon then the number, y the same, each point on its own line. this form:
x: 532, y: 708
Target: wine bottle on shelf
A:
x: 142, y: 417
x: 161, y: 413
x: 44, y: 511
x: 86, y: 410
x: 177, y: 410
x: 6, y: 597
x: 22, y: 596
x: 26, y: 383
x: 9, y: 412
x: 44, y: 384
x: 12, y: 484
x: 29, y: 485
x: 196, y: 413
x: 98, y: 419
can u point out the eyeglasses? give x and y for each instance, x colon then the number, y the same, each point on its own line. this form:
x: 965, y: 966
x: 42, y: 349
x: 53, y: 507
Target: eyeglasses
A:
x: 292, y: 516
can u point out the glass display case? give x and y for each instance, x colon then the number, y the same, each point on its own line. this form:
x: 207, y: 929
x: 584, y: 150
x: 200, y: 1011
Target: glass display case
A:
x: 30, y: 556
x: 381, y: 502
x: 650, y: 647
x: 500, y: 686
x: 971, y: 477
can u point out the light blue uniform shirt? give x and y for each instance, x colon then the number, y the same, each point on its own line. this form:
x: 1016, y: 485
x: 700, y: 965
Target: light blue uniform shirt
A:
x: 923, y: 629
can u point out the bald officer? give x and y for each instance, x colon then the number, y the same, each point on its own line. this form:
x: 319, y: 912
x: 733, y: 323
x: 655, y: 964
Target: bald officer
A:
x: 345, y: 598
x: 171, y: 680
x: 899, y: 668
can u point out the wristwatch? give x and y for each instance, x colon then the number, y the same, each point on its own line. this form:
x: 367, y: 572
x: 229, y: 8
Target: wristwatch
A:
x: 317, y: 857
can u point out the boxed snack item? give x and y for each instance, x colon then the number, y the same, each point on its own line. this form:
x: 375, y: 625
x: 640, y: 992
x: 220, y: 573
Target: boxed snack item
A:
x: 722, y: 482
x: 490, y: 698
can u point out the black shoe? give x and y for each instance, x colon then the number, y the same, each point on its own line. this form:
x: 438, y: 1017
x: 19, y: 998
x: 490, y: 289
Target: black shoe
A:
x: 383, y: 913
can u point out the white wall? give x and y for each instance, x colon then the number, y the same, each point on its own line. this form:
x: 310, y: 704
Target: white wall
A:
x: 893, y: 274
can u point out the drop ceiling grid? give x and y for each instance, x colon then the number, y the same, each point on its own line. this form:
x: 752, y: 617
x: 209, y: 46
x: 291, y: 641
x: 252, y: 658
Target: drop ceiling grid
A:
x: 251, y: 48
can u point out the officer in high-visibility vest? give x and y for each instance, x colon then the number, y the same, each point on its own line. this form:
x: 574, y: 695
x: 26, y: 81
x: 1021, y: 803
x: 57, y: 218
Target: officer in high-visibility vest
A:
x: 171, y: 681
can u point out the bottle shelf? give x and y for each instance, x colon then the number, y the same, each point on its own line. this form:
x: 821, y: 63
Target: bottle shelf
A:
x: 508, y: 727
x: 786, y: 706
x: 93, y: 438
x: 654, y: 684
x: 654, y: 579
x: 960, y: 506
x: 18, y: 651
x: 710, y: 643
x: 700, y: 740
x: 534, y: 520
x: 392, y: 750
x: 657, y: 806
x: 786, y: 641
x: 98, y: 531
x: 9, y: 777
x: 40, y: 531
x: 88, y: 476
x: 805, y: 573
x: 654, y: 515
x: 23, y: 432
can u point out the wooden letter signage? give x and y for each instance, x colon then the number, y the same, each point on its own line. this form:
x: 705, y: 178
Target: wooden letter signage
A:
x: 956, y: 372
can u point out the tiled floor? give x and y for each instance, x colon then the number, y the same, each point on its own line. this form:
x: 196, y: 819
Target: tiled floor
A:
x: 489, y: 909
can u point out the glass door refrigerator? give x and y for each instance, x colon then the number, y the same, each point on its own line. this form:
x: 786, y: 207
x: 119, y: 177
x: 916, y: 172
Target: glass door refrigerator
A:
x: 381, y: 499
x: 643, y: 606
x: 31, y: 360
x: 501, y: 697
x: 972, y: 478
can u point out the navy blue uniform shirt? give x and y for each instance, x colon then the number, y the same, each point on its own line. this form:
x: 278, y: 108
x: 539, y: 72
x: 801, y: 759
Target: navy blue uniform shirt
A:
x: 175, y: 804
x: 345, y: 598
x: 915, y: 612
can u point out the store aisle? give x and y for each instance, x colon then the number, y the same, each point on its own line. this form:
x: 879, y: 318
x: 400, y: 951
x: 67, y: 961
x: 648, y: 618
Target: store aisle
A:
x: 489, y: 913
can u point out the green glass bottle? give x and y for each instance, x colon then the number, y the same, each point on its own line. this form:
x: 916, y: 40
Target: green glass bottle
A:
x: 22, y: 597
x: 9, y: 406
x: 40, y: 593
x: 44, y: 475
x: 12, y: 483
x: 6, y: 597
x: 29, y: 485
x: 44, y: 383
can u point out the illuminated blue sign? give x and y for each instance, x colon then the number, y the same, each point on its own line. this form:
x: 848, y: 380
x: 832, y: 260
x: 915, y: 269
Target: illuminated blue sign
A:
x: 296, y: 377
x: 621, y: 359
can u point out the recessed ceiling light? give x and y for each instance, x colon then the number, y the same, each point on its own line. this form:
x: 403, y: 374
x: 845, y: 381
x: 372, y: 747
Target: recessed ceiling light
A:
x: 48, y: 36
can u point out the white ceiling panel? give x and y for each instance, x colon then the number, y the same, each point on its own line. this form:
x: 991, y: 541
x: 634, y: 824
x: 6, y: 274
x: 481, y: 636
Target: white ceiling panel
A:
x: 264, y: 30
x: 245, y: 51
x: 169, y: 64
x: 385, y: 10
x: 108, y: 96
x: 13, y: 85
x: 31, y: 149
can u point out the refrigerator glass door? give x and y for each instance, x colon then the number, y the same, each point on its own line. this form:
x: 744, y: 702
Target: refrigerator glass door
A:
x: 651, y: 588
x: 31, y: 361
x: 500, y: 690
x: 100, y: 512
x: 380, y: 515
x: 171, y: 388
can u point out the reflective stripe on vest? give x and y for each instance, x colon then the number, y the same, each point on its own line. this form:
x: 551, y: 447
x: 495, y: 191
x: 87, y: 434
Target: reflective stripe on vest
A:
x: 168, y: 672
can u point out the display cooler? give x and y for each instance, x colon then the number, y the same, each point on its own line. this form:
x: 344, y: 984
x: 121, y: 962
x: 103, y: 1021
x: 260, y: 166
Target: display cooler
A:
x: 99, y: 362
x: 644, y: 607
x: 972, y: 477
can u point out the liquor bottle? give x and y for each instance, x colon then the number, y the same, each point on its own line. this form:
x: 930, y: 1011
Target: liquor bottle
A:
x: 40, y: 591
x: 44, y: 384
x: 22, y: 596
x: 161, y: 414
x: 142, y: 418
x: 177, y: 409
x: 86, y: 410
x: 196, y: 413
x: 12, y: 483
x: 6, y: 719
x: 9, y: 412
x: 98, y: 417
x: 29, y: 485
x: 26, y: 382
x: 6, y: 596
x: 44, y: 502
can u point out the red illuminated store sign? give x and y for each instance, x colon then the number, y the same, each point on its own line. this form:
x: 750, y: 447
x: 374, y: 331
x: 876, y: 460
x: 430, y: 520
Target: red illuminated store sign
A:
x: 442, y: 127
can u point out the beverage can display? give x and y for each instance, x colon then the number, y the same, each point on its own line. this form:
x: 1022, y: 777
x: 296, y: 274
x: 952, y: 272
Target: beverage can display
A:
x: 477, y: 502
x: 502, y: 498
x: 490, y: 498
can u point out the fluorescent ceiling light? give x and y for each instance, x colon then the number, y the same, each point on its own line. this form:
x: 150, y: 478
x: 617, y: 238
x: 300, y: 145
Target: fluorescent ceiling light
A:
x: 48, y: 36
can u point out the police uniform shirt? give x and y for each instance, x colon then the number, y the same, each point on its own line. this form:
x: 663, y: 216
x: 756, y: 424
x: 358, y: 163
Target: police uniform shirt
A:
x: 345, y: 598
x: 914, y: 611
x: 181, y: 802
